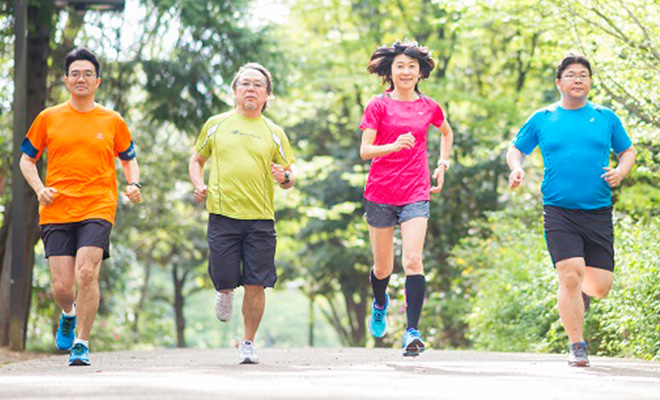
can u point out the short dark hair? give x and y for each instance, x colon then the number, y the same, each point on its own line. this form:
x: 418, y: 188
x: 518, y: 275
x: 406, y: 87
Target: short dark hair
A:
x: 382, y: 59
x: 256, y: 67
x: 571, y: 59
x: 81, y: 53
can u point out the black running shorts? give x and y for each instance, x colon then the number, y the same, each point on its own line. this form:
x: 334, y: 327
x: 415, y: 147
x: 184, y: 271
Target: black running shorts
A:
x: 66, y: 239
x: 588, y: 234
x: 249, y: 242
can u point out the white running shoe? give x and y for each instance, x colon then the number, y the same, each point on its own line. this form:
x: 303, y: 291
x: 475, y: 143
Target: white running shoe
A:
x: 224, y: 303
x: 247, y: 353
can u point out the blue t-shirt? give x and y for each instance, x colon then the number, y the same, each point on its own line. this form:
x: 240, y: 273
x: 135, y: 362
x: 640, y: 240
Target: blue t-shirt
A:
x: 575, y: 145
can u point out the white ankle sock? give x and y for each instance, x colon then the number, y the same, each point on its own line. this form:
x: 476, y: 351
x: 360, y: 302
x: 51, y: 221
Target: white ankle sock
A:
x: 71, y: 313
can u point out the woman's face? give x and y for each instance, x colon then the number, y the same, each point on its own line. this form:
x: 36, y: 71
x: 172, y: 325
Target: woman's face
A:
x: 405, y: 72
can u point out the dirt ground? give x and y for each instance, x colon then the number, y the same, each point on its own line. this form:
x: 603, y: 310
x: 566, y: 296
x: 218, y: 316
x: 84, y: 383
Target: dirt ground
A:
x: 7, y: 356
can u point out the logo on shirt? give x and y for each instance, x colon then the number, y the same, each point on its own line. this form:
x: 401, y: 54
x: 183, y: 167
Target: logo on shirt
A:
x: 99, y: 135
x: 239, y: 133
x: 420, y: 112
x: 592, y: 119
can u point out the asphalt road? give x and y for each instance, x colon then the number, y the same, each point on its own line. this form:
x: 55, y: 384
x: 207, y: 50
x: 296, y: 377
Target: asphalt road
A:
x: 328, y: 374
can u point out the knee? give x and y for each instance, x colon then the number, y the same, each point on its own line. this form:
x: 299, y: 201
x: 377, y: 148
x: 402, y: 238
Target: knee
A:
x: 87, y: 274
x: 570, y: 280
x: 413, y: 265
x: 601, y: 292
x: 61, y: 288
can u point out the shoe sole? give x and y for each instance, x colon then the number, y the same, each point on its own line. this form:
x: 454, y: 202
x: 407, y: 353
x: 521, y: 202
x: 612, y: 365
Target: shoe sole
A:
x: 79, y: 363
x: 579, y: 363
x: 414, y: 348
x: 249, y: 361
x: 59, y: 348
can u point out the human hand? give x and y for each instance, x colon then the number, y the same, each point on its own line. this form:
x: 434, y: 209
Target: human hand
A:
x: 278, y: 172
x: 200, y: 193
x: 46, y: 195
x: 133, y: 193
x: 405, y: 141
x: 439, y: 176
x: 516, y: 177
x: 613, y: 176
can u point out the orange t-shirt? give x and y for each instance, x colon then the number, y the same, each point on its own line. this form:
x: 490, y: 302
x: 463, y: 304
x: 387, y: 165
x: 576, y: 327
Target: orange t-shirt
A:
x: 81, y: 148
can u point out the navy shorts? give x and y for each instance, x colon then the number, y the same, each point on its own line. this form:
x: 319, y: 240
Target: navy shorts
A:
x: 385, y: 215
x: 67, y: 239
x: 249, y: 243
x: 588, y: 234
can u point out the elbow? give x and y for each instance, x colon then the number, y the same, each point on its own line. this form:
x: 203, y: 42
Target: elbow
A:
x: 364, y: 155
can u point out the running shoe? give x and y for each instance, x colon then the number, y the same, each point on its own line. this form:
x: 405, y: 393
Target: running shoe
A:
x: 247, y: 353
x: 65, y: 333
x: 586, y: 299
x: 79, y: 355
x: 412, y: 343
x: 378, y: 322
x: 224, y: 303
x: 578, y: 356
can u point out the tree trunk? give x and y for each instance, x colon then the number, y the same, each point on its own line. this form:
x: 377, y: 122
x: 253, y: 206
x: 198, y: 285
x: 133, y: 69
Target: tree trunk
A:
x: 40, y: 28
x: 179, y: 302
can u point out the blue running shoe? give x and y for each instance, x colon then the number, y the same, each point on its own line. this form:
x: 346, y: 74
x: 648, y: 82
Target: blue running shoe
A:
x: 378, y: 322
x: 65, y: 333
x: 412, y: 343
x: 79, y: 355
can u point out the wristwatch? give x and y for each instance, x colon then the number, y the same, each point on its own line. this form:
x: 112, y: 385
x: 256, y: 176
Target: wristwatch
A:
x: 444, y: 163
x: 135, y: 184
x: 287, y: 177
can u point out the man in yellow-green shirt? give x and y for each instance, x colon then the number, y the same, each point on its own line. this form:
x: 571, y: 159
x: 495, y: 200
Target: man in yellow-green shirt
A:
x: 247, y: 152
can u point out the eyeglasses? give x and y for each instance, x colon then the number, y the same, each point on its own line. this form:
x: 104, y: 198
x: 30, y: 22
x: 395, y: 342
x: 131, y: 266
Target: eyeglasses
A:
x: 573, y: 77
x: 246, y: 85
x: 78, y: 74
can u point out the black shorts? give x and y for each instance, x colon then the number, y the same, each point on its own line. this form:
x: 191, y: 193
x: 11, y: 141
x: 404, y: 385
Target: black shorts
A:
x: 66, y: 239
x: 588, y: 234
x: 250, y: 242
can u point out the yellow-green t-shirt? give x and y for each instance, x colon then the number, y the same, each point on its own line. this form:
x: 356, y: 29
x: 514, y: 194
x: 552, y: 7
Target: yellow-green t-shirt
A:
x: 241, y: 150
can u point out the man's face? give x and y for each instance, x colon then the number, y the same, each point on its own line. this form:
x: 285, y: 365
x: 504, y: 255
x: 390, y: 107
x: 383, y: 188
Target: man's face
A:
x: 81, y: 79
x: 574, y: 82
x: 251, y: 90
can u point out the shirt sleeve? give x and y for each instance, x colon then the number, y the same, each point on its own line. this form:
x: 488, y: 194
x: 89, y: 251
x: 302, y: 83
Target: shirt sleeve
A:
x: 372, y: 115
x: 124, y: 148
x: 438, y: 115
x: 528, y: 136
x: 203, y: 145
x: 35, y: 141
x: 620, y: 139
x: 283, y: 153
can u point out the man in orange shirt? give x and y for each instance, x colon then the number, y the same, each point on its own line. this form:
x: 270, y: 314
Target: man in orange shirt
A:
x: 79, y: 200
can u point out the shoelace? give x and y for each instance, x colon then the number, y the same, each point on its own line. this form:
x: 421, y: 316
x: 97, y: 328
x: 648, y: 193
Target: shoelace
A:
x: 379, y: 315
x: 78, y: 350
x: 580, y: 351
x: 67, y: 326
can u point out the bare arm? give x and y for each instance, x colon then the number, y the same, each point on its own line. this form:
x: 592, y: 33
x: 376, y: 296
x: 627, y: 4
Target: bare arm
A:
x: 132, y: 174
x: 28, y: 166
x: 446, y: 144
x: 369, y: 150
x: 514, y: 159
x: 196, y: 173
x: 614, y: 176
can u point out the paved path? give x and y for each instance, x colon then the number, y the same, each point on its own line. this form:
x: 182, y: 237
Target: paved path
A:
x: 328, y: 374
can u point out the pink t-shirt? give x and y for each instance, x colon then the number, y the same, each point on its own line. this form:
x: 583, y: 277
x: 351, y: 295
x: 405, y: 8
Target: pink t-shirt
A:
x: 402, y: 177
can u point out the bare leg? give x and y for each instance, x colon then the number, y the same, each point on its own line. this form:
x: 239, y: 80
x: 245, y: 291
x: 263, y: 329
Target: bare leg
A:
x: 254, y: 303
x: 383, y: 248
x: 569, y: 297
x: 597, y: 282
x: 62, y: 271
x: 88, y: 266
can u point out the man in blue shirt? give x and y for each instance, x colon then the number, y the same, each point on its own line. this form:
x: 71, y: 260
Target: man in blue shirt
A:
x: 576, y: 138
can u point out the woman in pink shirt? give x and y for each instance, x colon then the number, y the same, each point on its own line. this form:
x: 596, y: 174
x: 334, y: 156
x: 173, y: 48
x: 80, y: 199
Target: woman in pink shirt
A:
x: 398, y: 191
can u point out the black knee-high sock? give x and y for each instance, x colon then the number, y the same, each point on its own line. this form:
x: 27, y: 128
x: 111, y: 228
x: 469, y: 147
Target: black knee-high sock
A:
x: 379, y: 286
x: 415, y: 287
